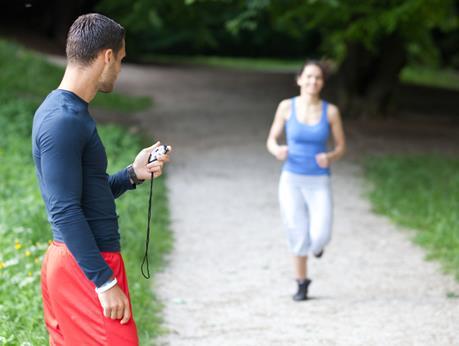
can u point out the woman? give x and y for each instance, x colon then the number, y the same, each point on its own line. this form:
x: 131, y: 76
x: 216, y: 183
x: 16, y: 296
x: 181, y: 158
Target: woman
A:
x: 304, y: 187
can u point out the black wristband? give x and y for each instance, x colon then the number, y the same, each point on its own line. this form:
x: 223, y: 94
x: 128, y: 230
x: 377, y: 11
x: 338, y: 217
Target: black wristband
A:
x: 133, y: 176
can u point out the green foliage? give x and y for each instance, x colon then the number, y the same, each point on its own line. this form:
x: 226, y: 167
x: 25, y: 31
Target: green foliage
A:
x: 421, y: 75
x: 121, y: 148
x: 22, y: 71
x: 228, y: 27
x: 121, y: 103
x: 22, y: 76
x: 282, y: 28
x: 157, y: 24
x: 24, y: 229
x: 446, y: 78
x: 259, y: 64
x: 421, y: 192
x: 341, y: 22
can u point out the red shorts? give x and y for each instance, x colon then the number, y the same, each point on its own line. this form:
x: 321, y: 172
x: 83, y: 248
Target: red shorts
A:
x: 73, y: 314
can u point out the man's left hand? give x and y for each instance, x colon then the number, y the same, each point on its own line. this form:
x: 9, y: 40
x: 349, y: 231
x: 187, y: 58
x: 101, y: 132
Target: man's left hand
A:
x: 143, y: 169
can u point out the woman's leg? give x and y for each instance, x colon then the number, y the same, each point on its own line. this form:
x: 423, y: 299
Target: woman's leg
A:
x: 300, y: 264
x: 295, y: 217
x: 320, y: 205
x: 294, y: 214
x: 301, y: 271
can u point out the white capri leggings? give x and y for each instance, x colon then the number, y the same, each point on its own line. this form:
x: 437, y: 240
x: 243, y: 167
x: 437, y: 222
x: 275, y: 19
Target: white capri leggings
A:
x: 306, y: 209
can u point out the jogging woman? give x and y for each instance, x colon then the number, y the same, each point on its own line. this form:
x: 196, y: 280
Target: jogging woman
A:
x: 305, y: 195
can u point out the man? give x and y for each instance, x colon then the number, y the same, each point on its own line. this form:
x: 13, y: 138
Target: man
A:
x: 85, y: 293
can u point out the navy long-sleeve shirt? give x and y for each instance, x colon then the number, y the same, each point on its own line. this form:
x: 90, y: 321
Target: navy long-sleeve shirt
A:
x: 71, y: 165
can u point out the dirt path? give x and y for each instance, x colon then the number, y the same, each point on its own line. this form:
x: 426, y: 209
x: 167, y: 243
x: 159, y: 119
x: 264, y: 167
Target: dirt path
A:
x: 229, y: 279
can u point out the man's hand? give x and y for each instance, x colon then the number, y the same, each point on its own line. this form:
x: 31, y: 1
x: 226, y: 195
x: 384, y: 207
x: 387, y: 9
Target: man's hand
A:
x: 115, y: 304
x: 143, y: 169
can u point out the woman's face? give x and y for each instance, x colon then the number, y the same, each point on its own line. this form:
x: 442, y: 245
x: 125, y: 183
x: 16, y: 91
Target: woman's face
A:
x: 311, y: 80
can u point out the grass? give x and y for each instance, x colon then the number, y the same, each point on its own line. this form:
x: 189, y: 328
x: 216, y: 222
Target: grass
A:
x: 421, y: 193
x: 25, y: 79
x: 27, y: 75
x: 132, y: 207
x: 256, y: 64
x: 419, y: 75
x: 442, y: 78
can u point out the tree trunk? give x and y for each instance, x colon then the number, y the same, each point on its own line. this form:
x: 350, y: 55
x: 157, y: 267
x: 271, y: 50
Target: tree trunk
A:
x: 367, y: 80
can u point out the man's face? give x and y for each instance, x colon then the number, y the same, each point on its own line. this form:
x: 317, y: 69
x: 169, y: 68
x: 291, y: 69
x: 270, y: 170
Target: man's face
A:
x: 111, y: 70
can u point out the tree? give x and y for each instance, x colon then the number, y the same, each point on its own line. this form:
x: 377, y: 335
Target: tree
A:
x: 170, y: 25
x: 222, y: 27
x: 372, y: 40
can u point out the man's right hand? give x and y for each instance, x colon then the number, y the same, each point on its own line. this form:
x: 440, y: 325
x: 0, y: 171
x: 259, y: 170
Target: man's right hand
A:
x: 143, y: 169
x: 115, y: 304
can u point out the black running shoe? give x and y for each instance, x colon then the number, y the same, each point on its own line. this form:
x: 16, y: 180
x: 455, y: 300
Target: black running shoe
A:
x: 302, y: 293
x: 319, y: 255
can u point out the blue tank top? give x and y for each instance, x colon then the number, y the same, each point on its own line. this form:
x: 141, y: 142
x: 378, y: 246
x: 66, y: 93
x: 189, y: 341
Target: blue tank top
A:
x: 305, y: 142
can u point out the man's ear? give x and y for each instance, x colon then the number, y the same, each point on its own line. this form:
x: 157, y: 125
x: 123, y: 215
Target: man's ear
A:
x: 108, y: 55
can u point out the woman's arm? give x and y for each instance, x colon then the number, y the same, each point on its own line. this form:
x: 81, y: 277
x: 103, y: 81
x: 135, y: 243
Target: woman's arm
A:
x: 277, y: 127
x: 339, y: 138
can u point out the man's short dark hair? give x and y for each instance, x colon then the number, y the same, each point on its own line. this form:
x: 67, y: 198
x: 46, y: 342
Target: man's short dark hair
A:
x: 91, y: 33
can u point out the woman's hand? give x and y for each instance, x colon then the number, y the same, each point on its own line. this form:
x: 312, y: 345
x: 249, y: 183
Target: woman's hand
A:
x: 322, y: 160
x: 143, y: 169
x: 281, y: 152
x: 277, y: 128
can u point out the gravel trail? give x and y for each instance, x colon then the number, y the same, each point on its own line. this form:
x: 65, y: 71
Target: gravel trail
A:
x: 229, y: 277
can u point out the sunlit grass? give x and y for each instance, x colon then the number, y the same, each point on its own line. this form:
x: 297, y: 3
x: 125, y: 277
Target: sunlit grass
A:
x: 422, y: 193
x: 257, y: 64
x: 26, y: 75
x: 428, y: 76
